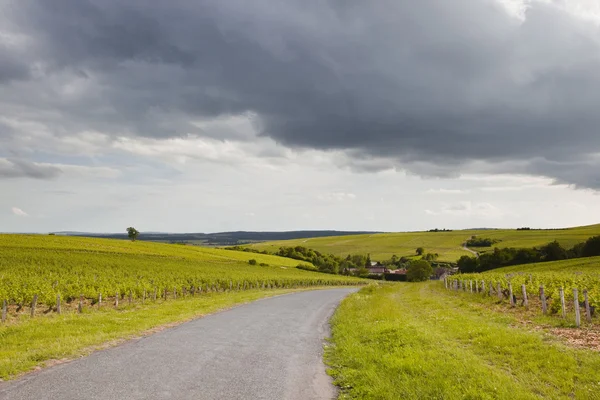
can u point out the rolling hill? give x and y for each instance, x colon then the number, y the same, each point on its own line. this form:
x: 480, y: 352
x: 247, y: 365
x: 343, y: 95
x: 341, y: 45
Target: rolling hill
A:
x: 216, y: 239
x: 574, y: 266
x: 48, y: 266
x: 447, y: 244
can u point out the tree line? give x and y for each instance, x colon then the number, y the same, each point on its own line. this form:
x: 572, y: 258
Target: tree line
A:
x: 503, y: 257
x: 417, y: 269
x: 481, y: 242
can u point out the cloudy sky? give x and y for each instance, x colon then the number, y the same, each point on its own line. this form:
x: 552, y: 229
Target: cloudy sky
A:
x: 215, y: 115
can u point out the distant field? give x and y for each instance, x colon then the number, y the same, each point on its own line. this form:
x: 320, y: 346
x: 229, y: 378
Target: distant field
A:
x: 587, y: 265
x: 447, y: 244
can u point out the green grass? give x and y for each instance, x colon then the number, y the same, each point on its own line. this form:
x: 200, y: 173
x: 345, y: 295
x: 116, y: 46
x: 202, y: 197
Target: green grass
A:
x: 418, y: 341
x: 446, y: 244
x: 33, y: 342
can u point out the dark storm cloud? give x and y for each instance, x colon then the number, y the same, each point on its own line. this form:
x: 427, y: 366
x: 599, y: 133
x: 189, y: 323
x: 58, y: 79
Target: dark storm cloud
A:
x: 431, y: 86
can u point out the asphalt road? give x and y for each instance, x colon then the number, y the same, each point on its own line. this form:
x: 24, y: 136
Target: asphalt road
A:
x: 270, y: 349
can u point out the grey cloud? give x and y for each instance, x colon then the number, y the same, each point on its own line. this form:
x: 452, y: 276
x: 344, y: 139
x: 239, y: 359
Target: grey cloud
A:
x: 22, y: 168
x: 430, y: 86
x: 11, y: 70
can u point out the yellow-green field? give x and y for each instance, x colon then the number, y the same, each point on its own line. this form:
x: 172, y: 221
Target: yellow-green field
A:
x: 573, y: 266
x: 447, y: 244
x: 196, y: 280
x: 48, y: 266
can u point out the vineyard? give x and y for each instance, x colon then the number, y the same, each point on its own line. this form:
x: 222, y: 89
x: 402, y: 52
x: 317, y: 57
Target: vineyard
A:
x: 569, y: 289
x: 41, y: 274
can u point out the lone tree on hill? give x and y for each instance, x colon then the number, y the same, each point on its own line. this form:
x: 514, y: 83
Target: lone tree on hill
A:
x: 420, y: 251
x: 418, y: 271
x: 132, y: 233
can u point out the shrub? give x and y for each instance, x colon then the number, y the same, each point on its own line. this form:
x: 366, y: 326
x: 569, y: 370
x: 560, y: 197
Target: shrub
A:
x: 307, y: 267
x: 481, y: 242
x: 419, y: 271
x: 252, y: 261
x: 264, y: 264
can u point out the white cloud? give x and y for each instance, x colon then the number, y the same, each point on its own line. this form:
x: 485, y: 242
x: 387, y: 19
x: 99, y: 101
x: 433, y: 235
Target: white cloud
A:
x: 82, y: 171
x: 445, y: 191
x: 336, y: 196
x: 19, y: 213
x: 468, y: 209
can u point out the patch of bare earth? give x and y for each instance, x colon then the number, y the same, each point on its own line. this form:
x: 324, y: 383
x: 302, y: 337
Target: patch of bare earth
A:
x: 584, y: 338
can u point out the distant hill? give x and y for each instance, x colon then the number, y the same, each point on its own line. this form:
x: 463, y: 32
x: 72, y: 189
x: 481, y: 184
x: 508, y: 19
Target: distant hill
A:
x: 447, y: 244
x: 219, y: 238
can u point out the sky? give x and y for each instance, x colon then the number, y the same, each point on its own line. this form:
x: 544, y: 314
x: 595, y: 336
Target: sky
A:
x: 213, y: 115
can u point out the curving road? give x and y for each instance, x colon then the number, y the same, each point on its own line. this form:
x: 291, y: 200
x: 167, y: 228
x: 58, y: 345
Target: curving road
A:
x: 465, y: 248
x: 270, y: 349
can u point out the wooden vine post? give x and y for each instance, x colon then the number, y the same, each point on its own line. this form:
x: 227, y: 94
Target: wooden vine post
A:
x: 80, y: 306
x: 510, y: 294
x: 483, y: 287
x: 476, y: 286
x: 499, y: 291
x: 130, y: 296
x: 99, y: 299
x: 524, y: 291
x: 117, y: 300
x: 4, y: 310
x: 588, y: 313
x: 58, y: 310
x: 543, y: 298
x: 561, y: 292
x: 576, y: 304
x: 33, y: 304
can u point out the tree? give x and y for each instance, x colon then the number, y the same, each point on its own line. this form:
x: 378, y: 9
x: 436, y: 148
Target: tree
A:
x: 553, y: 251
x: 430, y: 256
x: 362, y: 272
x: 418, y: 271
x: 467, y: 264
x: 132, y: 233
x: 420, y: 251
x: 591, y: 247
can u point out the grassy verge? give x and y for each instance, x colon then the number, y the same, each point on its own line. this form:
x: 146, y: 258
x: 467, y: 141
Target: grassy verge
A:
x: 416, y: 341
x: 42, y: 341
